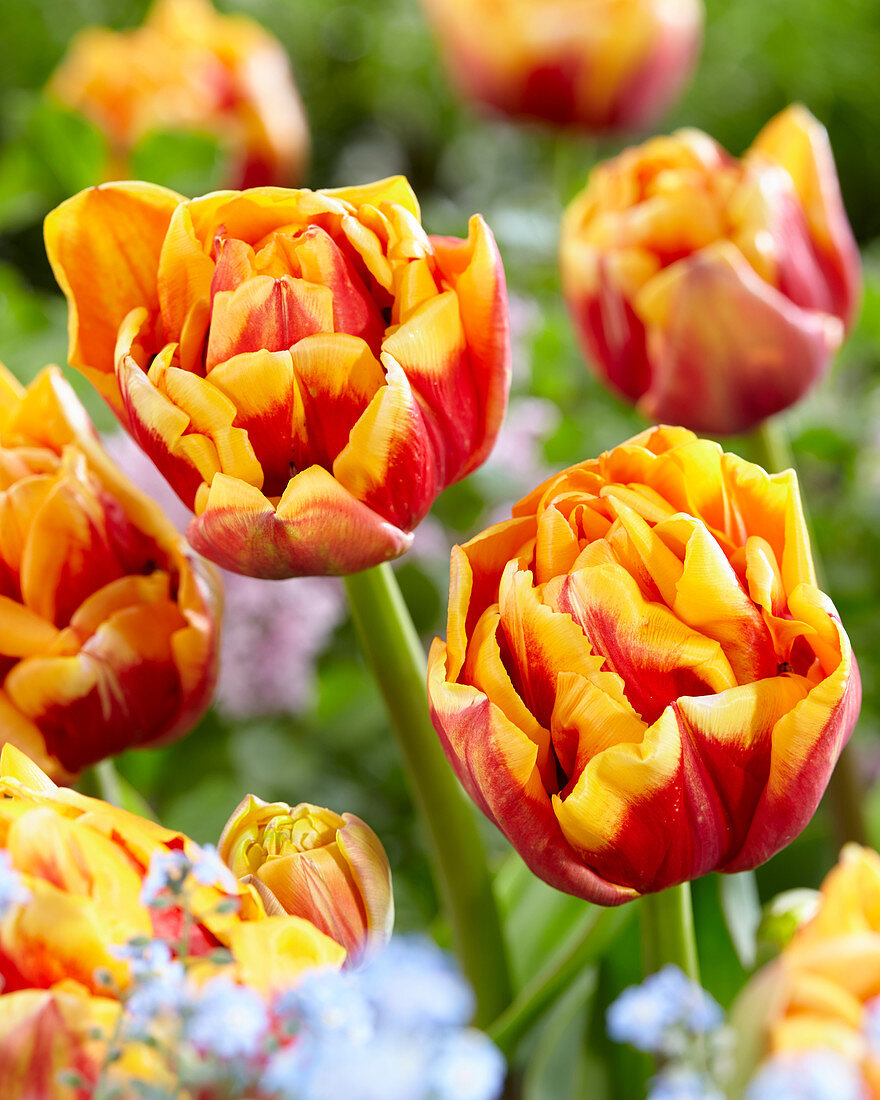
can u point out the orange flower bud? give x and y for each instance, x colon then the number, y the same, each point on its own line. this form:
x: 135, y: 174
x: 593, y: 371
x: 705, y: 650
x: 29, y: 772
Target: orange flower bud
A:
x: 330, y: 869
x: 819, y: 992
x: 641, y: 681
x: 83, y: 863
x: 108, y: 622
x: 598, y: 64
x: 188, y: 68
x: 709, y: 291
x: 307, y: 369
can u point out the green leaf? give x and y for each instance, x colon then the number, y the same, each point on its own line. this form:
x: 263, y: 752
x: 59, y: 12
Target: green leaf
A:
x: 741, y: 906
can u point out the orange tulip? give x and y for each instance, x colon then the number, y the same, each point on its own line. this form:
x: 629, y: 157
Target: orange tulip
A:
x: 108, y: 622
x: 44, y: 1034
x: 330, y: 869
x: 818, y: 993
x: 307, y: 369
x: 641, y: 681
x: 597, y: 64
x: 188, y: 68
x: 83, y: 863
x: 709, y: 291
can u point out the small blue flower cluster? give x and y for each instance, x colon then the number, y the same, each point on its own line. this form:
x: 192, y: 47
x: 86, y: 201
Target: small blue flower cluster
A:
x: 675, y: 1019
x: 171, y: 874
x: 395, y: 1030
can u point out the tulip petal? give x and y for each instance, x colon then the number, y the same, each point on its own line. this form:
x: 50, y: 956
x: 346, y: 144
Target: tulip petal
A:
x: 389, y: 462
x: 657, y: 657
x: 765, y: 351
x: 394, y: 189
x: 473, y: 269
x: 338, y: 377
x: 104, y: 246
x: 265, y: 314
x: 432, y: 349
x: 369, y: 866
x: 799, y: 142
x: 496, y: 763
x: 324, y: 264
x: 318, y: 528
x: 271, y: 954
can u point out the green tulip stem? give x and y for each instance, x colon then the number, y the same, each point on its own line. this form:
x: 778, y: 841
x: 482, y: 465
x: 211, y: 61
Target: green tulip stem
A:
x: 668, y: 931
x: 590, y: 939
x: 397, y: 660
x: 773, y: 448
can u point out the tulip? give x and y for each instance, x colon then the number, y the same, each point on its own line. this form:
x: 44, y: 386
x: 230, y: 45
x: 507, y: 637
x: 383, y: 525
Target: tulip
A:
x: 821, y: 993
x: 641, y: 681
x: 83, y: 863
x: 45, y: 1034
x: 596, y: 64
x: 708, y: 291
x: 307, y: 369
x: 328, y: 868
x: 188, y: 68
x: 108, y: 622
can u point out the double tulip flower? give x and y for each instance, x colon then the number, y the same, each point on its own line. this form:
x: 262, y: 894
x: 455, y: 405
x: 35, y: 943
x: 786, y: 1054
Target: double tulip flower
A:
x: 710, y: 291
x: 108, y: 622
x: 596, y: 64
x: 189, y: 68
x: 307, y: 369
x: 641, y: 681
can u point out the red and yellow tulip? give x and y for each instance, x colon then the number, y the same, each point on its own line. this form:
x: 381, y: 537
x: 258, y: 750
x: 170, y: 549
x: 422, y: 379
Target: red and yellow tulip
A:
x: 307, y: 369
x: 597, y: 64
x: 328, y: 868
x: 189, y: 68
x: 641, y: 681
x: 108, y: 622
x: 712, y: 292
x: 83, y: 863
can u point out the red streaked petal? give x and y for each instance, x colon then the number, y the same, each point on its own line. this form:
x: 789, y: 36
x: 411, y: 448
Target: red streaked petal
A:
x: 319, y: 528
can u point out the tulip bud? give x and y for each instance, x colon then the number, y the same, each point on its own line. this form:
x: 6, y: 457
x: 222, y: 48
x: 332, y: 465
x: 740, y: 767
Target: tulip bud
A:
x: 712, y: 292
x: 597, y: 64
x: 188, y: 68
x: 641, y: 682
x: 108, y: 622
x: 307, y: 369
x: 328, y: 868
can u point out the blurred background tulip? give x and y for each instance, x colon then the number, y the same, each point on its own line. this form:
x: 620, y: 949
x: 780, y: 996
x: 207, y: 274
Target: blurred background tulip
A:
x: 190, y: 69
x: 641, y: 681
x: 84, y: 864
x: 108, y: 622
x: 815, y: 1011
x: 596, y: 64
x: 307, y: 369
x: 709, y: 291
x: 328, y: 868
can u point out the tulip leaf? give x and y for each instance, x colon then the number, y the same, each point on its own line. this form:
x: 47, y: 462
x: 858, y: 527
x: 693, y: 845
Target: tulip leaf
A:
x: 741, y: 907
